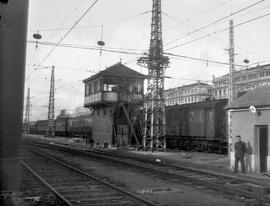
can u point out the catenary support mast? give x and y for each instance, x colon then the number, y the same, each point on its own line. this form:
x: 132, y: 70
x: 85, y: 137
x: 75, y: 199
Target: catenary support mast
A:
x: 27, y: 113
x: 154, y: 129
x: 50, y: 131
x: 231, y: 93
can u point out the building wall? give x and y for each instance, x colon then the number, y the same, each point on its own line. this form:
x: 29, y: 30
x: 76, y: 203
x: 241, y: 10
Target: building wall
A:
x: 103, y: 126
x: 245, y: 80
x: 188, y: 94
x: 243, y: 123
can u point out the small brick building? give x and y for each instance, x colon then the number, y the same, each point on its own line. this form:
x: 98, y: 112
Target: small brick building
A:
x: 251, y: 120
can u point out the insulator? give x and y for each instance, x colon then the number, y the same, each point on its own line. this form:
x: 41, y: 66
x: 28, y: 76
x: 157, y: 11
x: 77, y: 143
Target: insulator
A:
x: 246, y: 61
x: 101, y: 43
x: 37, y: 36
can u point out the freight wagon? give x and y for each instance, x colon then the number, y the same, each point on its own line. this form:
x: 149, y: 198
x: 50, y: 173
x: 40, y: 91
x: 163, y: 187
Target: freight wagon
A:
x: 199, y: 126
x: 80, y: 126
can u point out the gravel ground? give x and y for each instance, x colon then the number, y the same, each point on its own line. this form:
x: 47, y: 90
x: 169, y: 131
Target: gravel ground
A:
x: 154, y: 187
x: 208, y: 161
x: 30, y: 193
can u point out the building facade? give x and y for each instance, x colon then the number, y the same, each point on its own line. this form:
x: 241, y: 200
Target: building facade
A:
x: 112, y: 95
x: 244, y: 80
x: 198, y: 92
x: 251, y: 120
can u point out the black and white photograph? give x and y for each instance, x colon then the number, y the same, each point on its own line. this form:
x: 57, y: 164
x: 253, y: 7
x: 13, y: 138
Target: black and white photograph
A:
x: 135, y: 103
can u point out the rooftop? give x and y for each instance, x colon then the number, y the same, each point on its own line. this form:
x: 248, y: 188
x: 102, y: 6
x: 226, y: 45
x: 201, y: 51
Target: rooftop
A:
x: 117, y: 70
x: 188, y: 85
x: 259, y: 97
x: 258, y: 67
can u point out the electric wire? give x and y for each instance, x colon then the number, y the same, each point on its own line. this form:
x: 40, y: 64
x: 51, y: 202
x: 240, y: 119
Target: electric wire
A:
x: 67, y: 18
x: 95, y: 26
x: 222, y: 30
x: 68, y: 32
x: 192, y: 17
x: 108, y: 49
x: 214, y: 22
x: 130, y: 52
x: 201, y: 60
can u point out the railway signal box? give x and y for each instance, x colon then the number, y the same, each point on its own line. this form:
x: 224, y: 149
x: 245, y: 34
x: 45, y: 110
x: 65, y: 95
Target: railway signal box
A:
x: 115, y: 95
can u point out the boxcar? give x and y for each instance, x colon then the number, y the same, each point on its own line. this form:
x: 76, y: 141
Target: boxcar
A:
x: 42, y: 126
x: 61, y: 124
x: 81, y: 126
x: 200, y: 126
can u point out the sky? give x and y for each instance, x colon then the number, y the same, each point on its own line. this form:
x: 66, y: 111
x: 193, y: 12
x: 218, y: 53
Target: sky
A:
x: 127, y: 27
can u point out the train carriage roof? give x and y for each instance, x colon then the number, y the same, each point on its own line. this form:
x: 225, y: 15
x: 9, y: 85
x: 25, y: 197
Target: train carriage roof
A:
x: 259, y: 97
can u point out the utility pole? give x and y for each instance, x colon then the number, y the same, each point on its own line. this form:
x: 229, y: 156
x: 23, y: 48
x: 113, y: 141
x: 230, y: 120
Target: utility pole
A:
x: 155, y: 125
x: 231, y: 89
x: 50, y: 131
x: 27, y: 113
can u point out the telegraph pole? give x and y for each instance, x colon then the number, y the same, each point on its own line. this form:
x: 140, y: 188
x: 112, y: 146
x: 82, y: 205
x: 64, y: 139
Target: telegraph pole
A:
x: 50, y: 132
x: 231, y: 89
x: 27, y: 113
x: 155, y: 125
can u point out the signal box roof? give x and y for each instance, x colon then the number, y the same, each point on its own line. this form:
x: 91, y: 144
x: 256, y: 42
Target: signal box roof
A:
x: 117, y: 70
x: 259, y: 97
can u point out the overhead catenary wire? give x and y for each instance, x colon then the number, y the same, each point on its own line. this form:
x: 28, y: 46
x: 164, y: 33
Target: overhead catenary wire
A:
x: 66, y: 34
x: 201, y: 60
x: 216, y: 32
x: 94, y: 26
x: 130, y: 52
x: 68, y: 17
x: 192, y: 17
x: 108, y: 49
x: 214, y: 22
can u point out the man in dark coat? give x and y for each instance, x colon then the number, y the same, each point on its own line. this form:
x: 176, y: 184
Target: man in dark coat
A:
x: 240, y: 150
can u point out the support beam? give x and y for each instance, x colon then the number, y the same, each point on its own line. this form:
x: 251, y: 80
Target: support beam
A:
x: 13, y: 32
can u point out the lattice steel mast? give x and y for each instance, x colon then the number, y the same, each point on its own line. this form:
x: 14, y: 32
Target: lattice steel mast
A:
x: 50, y: 132
x: 27, y: 113
x: 231, y: 91
x: 154, y: 129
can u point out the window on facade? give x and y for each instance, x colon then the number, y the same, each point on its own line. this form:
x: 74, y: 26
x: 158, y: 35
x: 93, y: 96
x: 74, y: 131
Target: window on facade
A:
x: 109, y: 87
x: 95, y: 86
x: 237, y: 79
x: 87, y: 89
x: 252, y: 76
x: 244, y: 78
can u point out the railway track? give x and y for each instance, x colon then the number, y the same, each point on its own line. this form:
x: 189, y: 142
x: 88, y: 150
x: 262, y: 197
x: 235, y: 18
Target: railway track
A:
x: 237, y: 187
x: 76, y: 187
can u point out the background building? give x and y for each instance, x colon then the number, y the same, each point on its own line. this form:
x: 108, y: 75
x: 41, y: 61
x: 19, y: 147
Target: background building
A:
x: 245, y: 80
x: 198, y: 92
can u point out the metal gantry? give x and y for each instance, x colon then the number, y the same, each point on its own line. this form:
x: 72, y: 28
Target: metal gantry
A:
x: 154, y: 127
x: 50, y: 131
x: 27, y: 113
x: 231, y: 93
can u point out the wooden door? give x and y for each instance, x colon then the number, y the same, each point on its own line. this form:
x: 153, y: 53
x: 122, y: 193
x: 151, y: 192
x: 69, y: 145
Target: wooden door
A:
x: 263, y: 147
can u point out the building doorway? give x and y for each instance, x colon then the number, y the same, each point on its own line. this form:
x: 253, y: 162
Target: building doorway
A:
x: 263, y: 147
